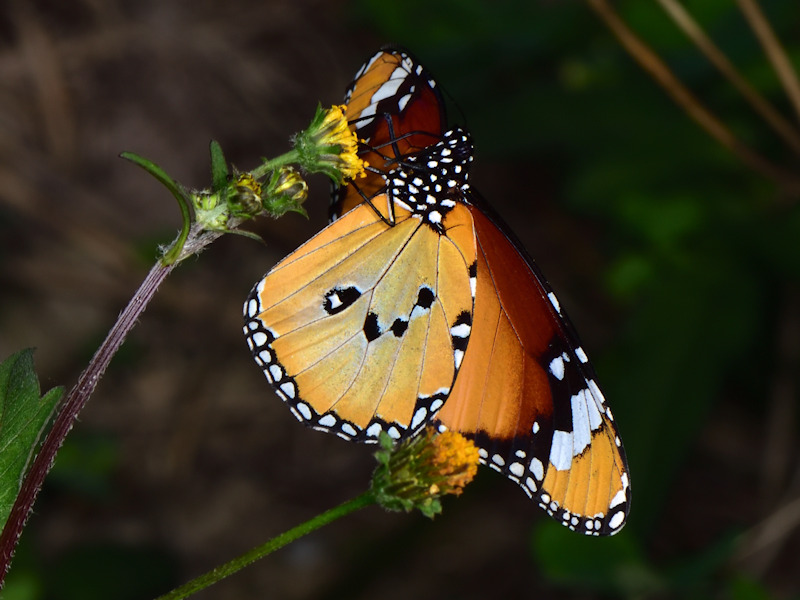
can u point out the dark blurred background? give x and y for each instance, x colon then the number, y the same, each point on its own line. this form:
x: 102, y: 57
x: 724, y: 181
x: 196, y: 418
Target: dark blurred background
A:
x: 679, y: 266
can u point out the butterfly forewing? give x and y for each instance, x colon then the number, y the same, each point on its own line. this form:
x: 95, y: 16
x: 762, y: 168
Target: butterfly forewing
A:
x: 529, y: 396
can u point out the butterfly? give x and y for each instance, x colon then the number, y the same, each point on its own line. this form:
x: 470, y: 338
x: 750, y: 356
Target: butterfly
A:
x: 417, y: 305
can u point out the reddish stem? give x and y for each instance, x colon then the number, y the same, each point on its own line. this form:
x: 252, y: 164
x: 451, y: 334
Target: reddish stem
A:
x: 71, y: 406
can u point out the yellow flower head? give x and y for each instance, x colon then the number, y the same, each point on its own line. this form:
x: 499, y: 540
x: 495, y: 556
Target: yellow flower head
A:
x: 456, y: 458
x: 329, y: 146
x: 418, y: 472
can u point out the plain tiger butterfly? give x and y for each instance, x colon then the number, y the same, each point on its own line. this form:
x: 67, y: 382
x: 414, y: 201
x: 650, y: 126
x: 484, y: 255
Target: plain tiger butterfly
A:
x: 417, y: 305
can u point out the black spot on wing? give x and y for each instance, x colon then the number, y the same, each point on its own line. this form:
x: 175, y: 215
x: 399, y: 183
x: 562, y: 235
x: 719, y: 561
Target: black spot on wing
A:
x: 372, y: 330
x: 425, y: 298
x: 399, y: 327
x: 339, y: 299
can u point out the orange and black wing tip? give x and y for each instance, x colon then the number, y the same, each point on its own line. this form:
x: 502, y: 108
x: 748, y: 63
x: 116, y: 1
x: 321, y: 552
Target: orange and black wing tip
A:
x: 568, y: 459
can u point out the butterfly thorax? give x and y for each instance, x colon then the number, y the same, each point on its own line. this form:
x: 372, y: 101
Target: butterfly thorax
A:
x: 431, y: 182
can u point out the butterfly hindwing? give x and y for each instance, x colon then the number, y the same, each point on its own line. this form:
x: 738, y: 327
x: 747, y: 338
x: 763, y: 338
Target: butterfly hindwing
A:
x: 363, y: 328
x: 395, y: 109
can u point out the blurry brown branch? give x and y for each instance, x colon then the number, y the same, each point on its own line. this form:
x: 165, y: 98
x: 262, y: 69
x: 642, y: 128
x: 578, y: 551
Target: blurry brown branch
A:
x: 774, y: 119
x: 774, y: 50
x: 686, y: 100
x: 759, y: 545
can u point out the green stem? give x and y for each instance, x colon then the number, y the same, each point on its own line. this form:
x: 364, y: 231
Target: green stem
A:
x: 266, y: 168
x: 222, y: 571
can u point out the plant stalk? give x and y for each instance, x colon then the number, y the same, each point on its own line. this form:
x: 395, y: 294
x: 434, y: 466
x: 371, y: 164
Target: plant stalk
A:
x: 73, y: 403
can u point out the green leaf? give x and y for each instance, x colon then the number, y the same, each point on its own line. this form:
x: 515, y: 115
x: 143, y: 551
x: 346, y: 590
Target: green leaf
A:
x: 23, y: 417
x: 219, y: 168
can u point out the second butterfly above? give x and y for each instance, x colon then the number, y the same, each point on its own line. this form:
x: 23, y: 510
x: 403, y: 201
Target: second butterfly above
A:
x: 417, y: 305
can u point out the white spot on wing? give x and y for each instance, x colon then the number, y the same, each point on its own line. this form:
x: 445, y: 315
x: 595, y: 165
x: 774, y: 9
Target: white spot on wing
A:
x: 401, y: 104
x: 581, y: 355
x: 561, y: 450
x: 598, y: 395
x: 537, y: 468
x: 336, y: 302
x: 581, y: 430
x: 557, y: 368
x: 616, y: 520
x: 390, y: 87
x: 419, y: 417
x: 327, y: 421
x: 460, y: 331
x: 252, y: 308
x: 458, y: 356
x: 303, y: 410
x: 595, y: 420
x: 554, y: 301
x: 349, y: 429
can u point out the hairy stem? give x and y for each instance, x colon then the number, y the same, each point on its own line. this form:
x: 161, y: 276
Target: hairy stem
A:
x: 73, y: 403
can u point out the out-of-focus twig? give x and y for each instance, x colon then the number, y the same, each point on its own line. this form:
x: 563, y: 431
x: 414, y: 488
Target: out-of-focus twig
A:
x: 775, y: 52
x: 759, y: 544
x: 681, y: 94
x: 694, y: 32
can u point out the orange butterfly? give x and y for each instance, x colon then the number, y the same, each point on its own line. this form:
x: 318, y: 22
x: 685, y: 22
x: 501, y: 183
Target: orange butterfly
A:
x: 418, y: 305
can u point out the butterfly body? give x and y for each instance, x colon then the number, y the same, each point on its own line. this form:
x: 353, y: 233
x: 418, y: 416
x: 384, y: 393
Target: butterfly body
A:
x: 418, y: 305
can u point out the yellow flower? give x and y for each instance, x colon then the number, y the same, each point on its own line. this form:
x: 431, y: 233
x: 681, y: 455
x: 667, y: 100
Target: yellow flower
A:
x: 329, y: 146
x: 456, y: 458
x: 418, y: 472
